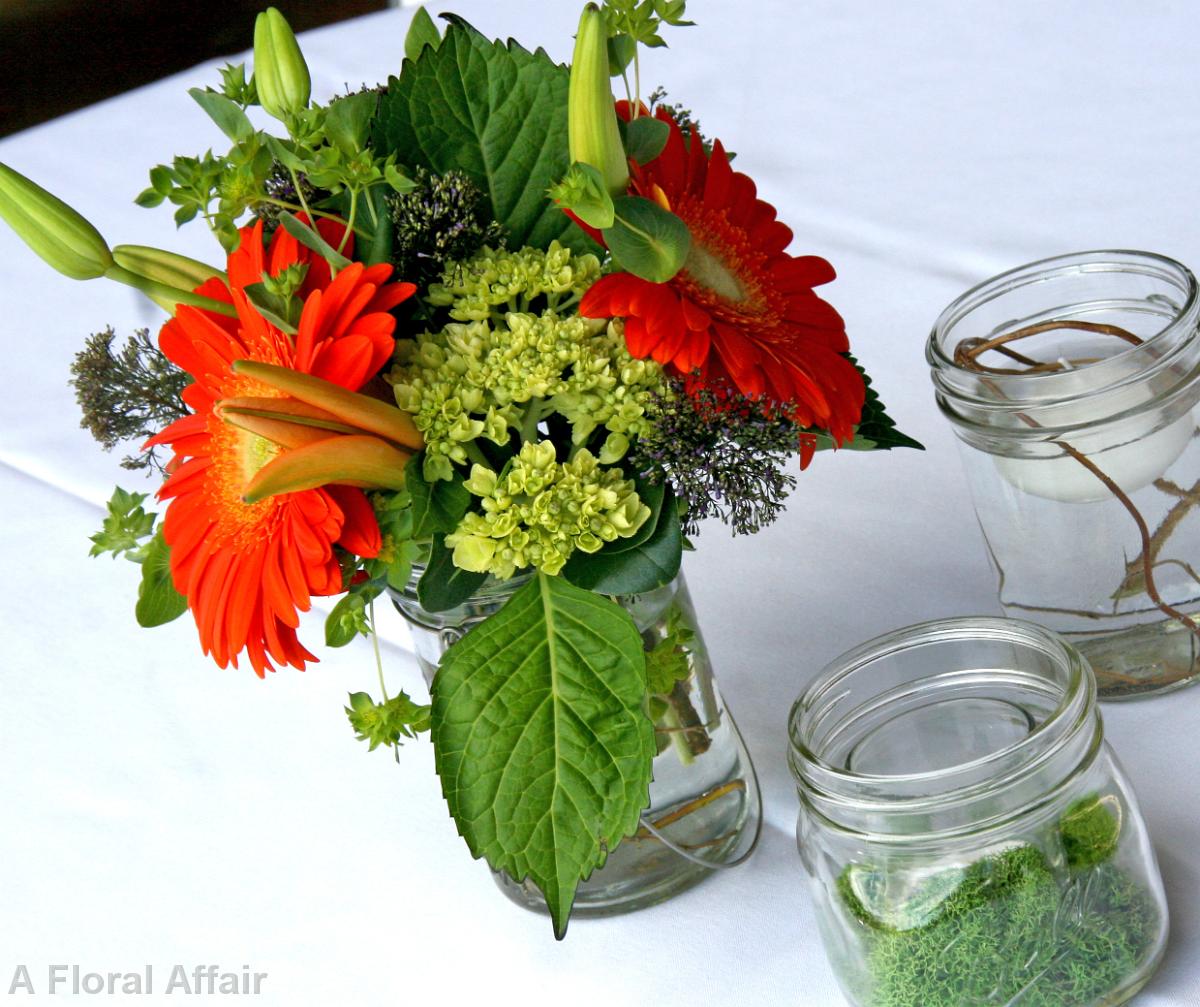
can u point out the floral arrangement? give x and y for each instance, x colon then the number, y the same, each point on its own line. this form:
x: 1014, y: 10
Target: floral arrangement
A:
x: 480, y: 322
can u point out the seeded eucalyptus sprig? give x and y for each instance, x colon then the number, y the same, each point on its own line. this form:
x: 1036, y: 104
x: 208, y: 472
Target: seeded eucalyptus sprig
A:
x: 127, y: 395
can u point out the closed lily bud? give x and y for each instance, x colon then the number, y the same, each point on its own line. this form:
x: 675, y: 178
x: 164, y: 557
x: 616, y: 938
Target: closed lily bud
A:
x: 594, y: 136
x: 280, y: 73
x: 166, y: 268
x: 51, y: 228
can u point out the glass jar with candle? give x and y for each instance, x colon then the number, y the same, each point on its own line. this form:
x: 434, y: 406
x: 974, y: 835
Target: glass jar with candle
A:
x: 968, y: 834
x: 1071, y: 384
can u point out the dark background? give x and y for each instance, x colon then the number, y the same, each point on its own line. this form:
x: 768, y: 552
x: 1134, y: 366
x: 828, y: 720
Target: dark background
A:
x: 58, y: 55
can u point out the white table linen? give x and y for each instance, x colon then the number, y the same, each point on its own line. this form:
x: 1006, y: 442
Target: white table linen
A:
x: 158, y: 810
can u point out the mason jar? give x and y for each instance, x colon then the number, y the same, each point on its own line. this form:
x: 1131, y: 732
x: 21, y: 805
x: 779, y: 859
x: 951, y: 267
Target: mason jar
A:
x: 969, y: 837
x: 705, y: 810
x: 1071, y: 384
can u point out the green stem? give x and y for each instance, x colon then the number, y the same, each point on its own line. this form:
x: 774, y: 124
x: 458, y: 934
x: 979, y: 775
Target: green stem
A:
x: 350, y: 221
x: 637, y: 85
x: 534, y: 414
x: 177, y: 294
x: 375, y: 644
x: 476, y: 455
x: 300, y: 193
x: 678, y: 735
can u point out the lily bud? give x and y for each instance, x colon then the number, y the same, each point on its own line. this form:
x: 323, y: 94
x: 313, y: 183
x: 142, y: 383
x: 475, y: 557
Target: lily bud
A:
x: 166, y: 268
x: 51, y: 228
x: 280, y: 73
x: 595, y: 138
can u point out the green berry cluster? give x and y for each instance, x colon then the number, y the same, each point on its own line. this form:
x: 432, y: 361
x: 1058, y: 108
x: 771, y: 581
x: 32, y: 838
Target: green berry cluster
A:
x: 538, y: 511
x: 515, y: 355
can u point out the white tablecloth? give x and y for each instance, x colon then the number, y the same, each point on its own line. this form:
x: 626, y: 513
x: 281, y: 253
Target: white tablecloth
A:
x: 158, y: 810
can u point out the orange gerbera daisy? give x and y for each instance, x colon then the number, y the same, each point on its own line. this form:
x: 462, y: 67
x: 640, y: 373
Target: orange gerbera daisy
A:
x: 741, y: 312
x: 246, y: 569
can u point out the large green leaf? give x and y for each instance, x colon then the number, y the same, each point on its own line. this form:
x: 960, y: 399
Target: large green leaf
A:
x: 495, y: 111
x: 541, y: 738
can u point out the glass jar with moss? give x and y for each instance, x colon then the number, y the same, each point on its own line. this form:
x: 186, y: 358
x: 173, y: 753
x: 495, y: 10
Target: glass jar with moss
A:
x: 705, y: 810
x: 969, y: 836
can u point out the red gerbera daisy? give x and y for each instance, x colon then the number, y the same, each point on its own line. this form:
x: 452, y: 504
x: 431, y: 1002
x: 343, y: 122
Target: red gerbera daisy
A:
x: 741, y: 311
x: 247, y: 568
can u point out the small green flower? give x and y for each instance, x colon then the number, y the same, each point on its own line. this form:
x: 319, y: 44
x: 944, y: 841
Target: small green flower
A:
x: 538, y: 512
x: 515, y: 354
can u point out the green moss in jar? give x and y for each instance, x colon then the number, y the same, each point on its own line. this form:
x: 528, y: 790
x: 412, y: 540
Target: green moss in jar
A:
x: 1010, y: 927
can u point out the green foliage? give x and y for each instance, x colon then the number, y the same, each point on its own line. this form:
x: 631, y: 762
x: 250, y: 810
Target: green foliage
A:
x: 1090, y: 829
x: 647, y: 240
x: 496, y: 112
x: 126, y: 526
x: 387, y: 722
x: 668, y: 662
x: 324, y: 166
x: 583, y: 192
x: 645, y: 137
x: 563, y: 772
x: 422, y: 31
x: 621, y: 571
x: 367, y: 579
x: 641, y: 21
x: 1006, y: 929
x: 127, y: 395
x: 437, y: 506
x: 443, y: 585
x: 877, y: 430
x: 158, y: 602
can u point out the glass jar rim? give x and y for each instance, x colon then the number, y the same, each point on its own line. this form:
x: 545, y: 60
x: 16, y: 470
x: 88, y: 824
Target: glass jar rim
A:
x: 961, y: 783
x: 1158, y: 350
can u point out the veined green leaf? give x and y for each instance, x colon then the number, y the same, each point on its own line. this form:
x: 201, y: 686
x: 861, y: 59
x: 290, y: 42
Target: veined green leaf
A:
x: 309, y: 238
x: 494, y: 111
x: 562, y: 773
x: 647, y: 566
x: 158, y: 602
x: 444, y: 586
x: 437, y: 506
x: 645, y: 137
x: 348, y: 121
x: 422, y: 31
x: 647, y: 240
x: 227, y: 114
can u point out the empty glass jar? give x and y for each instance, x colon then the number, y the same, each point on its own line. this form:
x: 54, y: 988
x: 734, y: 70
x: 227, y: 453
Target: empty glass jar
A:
x: 968, y: 834
x: 1071, y: 384
x: 705, y: 808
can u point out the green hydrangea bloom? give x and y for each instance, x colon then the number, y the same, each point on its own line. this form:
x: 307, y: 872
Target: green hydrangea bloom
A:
x: 516, y: 354
x: 538, y: 511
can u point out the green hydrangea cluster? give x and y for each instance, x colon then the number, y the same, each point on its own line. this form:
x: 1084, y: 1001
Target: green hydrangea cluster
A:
x: 1007, y: 928
x: 538, y: 511
x: 516, y: 354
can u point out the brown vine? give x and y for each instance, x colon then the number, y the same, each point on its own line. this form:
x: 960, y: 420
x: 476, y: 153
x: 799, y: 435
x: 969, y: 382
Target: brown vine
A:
x: 967, y: 354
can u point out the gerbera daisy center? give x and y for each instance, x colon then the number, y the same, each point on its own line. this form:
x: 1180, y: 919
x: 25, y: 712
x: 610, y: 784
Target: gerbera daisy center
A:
x: 710, y: 271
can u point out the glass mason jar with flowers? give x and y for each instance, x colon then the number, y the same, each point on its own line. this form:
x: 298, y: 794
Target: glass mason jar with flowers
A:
x: 500, y: 359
